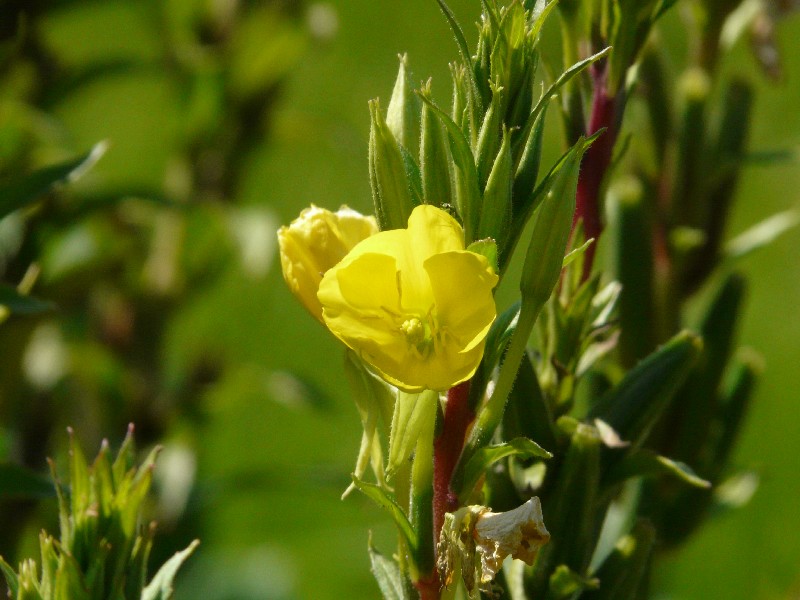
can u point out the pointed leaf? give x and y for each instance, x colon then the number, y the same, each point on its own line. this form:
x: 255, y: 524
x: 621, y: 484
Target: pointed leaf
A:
x: 24, y: 190
x: 12, y: 582
x: 646, y: 463
x: 762, y: 234
x: 382, y: 498
x: 624, y: 570
x: 634, y: 405
x: 20, y: 304
x: 486, y: 457
x: 387, y: 574
x: 161, y: 586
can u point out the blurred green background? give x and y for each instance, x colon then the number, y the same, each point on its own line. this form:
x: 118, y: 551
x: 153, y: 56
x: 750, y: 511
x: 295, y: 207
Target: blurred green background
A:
x: 224, y: 119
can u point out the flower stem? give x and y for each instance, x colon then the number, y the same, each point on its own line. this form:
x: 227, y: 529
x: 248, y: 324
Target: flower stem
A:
x: 595, y: 163
x: 447, y: 449
x: 421, y: 511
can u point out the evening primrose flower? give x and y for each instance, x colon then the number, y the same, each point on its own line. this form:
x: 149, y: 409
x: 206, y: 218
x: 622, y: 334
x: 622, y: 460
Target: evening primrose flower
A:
x: 413, y: 303
x: 315, y: 242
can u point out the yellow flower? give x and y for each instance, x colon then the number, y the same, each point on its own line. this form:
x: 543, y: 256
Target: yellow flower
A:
x: 413, y: 303
x: 315, y: 242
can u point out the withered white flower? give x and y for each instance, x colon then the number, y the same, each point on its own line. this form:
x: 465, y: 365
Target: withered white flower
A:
x: 480, y: 540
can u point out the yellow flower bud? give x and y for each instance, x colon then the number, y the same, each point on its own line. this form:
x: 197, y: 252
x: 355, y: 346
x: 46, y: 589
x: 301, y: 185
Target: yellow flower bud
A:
x: 316, y: 241
x: 413, y: 303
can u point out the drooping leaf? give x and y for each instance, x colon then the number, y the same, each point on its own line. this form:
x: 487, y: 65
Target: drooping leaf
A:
x: 382, y: 498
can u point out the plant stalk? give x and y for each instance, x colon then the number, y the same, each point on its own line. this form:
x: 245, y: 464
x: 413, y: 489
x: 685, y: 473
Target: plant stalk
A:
x: 595, y: 164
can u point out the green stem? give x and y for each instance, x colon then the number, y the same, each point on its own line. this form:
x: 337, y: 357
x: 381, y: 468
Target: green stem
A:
x: 421, y: 508
x: 492, y: 413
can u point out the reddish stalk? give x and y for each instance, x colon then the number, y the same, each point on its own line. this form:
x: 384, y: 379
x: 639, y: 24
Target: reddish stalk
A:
x: 428, y: 587
x: 595, y: 163
x: 446, y: 451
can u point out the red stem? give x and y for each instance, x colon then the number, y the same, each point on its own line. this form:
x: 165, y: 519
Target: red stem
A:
x: 594, y: 166
x: 447, y: 449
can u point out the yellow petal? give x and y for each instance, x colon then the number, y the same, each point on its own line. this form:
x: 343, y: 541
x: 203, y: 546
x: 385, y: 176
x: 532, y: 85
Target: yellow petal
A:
x: 462, y: 284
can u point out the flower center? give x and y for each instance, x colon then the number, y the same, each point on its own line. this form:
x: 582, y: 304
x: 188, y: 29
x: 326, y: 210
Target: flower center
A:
x: 418, y: 334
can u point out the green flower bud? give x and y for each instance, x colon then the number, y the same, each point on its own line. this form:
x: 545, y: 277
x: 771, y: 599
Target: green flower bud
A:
x: 391, y: 191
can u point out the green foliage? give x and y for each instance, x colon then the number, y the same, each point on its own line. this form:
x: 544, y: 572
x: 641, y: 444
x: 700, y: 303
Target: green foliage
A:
x: 103, y: 547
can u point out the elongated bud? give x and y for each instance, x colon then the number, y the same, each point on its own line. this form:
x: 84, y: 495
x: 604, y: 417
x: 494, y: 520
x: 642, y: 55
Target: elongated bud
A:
x: 391, y: 192
x: 495, y: 215
x: 434, y: 158
x: 631, y: 229
x: 316, y: 241
x: 698, y: 398
x: 489, y: 139
x: 403, y: 115
x: 552, y: 224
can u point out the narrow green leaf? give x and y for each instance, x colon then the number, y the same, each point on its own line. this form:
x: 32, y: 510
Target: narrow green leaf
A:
x: 528, y: 413
x: 387, y: 574
x: 761, y: 234
x: 463, y: 50
x: 736, y: 396
x: 526, y: 170
x: 161, y: 586
x: 382, y: 498
x: 552, y: 224
x: 12, y: 582
x: 624, y: 570
x: 18, y: 193
x: 634, y: 405
x: 375, y: 402
x: 563, y: 79
x: 20, y: 304
x: 697, y: 403
x: 486, y: 457
x: 572, y: 517
x: 646, y: 463
x: 576, y: 253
